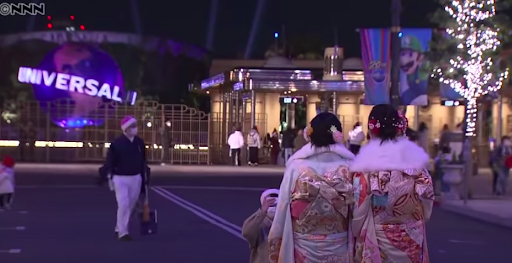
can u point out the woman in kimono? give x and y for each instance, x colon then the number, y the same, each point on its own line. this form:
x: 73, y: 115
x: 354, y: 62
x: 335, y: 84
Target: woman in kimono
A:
x: 311, y: 223
x: 393, y: 193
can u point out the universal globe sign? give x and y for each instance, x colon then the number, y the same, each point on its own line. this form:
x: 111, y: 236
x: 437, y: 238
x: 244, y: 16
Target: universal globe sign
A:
x: 80, y: 78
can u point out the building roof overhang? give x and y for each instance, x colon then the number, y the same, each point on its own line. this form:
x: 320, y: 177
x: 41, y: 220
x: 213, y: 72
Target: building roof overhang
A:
x: 275, y: 79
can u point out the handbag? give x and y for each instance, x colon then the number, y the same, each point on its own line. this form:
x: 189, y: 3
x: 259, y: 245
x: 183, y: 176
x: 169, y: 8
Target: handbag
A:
x: 508, y: 161
x: 148, y: 218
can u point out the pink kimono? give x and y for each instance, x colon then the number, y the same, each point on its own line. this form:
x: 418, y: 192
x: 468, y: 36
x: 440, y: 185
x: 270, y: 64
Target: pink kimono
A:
x: 393, y: 199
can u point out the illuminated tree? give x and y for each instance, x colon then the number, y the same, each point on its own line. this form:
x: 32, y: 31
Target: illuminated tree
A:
x: 466, y: 53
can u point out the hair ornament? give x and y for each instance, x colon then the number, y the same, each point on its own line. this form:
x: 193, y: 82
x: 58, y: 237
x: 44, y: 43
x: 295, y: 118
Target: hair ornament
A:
x: 307, y: 133
x: 402, y: 124
x: 374, y: 126
x: 336, y: 135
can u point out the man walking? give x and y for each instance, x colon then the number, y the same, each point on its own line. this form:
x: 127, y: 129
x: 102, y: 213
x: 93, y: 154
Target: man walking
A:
x: 236, y: 142
x: 126, y: 164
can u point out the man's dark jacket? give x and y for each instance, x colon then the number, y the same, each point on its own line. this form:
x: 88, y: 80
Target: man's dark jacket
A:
x: 126, y: 158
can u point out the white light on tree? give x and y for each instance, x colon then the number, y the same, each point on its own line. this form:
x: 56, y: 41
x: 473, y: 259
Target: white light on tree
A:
x: 475, y: 39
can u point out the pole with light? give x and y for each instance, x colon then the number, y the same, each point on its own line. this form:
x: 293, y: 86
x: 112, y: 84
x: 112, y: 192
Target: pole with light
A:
x: 394, y: 92
x: 276, y: 42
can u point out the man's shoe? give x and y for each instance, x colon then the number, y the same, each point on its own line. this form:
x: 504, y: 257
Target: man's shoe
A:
x: 125, y: 238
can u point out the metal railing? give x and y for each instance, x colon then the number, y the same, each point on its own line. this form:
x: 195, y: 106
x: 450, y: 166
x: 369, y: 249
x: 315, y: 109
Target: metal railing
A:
x: 48, y: 132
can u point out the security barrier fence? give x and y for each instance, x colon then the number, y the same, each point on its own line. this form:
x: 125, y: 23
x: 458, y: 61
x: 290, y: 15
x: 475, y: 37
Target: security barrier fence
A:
x: 174, y: 134
x: 49, y: 132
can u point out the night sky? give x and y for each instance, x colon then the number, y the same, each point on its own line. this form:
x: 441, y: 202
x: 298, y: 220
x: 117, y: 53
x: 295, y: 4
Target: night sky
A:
x: 187, y: 20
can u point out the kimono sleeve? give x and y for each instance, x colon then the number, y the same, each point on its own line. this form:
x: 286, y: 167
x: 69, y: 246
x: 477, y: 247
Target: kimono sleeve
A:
x: 251, y: 228
x: 280, y: 239
x: 362, y: 202
x: 425, y: 191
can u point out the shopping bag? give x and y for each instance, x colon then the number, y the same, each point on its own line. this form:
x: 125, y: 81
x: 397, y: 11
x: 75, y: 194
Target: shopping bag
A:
x: 149, y: 226
x: 148, y: 218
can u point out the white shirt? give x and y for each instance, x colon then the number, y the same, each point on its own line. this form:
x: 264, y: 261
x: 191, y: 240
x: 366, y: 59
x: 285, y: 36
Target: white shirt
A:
x: 236, y: 140
x: 6, y: 180
x: 356, y: 136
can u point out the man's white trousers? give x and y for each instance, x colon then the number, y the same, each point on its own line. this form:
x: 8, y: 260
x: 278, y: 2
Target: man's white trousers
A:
x: 127, y: 189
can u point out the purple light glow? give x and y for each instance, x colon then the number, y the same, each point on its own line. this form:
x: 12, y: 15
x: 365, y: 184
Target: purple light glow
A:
x: 75, y: 123
x: 77, y: 77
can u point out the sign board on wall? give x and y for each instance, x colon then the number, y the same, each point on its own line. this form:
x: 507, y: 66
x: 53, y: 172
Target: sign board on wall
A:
x: 82, y: 75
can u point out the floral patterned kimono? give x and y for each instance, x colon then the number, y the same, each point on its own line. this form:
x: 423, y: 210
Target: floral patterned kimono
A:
x: 393, y: 199
x: 311, y: 224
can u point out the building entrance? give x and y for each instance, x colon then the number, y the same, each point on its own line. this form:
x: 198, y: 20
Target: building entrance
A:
x: 292, y: 112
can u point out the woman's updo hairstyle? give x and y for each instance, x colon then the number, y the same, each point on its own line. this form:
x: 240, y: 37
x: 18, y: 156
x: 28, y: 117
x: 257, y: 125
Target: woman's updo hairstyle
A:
x: 388, y: 120
x: 321, y: 126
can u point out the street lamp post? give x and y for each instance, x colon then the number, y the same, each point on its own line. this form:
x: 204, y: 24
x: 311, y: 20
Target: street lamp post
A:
x: 394, y: 93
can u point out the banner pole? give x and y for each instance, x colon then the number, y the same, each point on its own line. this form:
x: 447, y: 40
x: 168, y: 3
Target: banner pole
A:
x: 394, y: 92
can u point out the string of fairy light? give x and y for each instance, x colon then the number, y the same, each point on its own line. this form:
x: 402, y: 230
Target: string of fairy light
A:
x: 475, y: 41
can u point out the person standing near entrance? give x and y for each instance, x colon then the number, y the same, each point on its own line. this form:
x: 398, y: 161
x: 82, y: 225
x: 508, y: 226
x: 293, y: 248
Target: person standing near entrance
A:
x: 356, y: 138
x: 126, y: 165
x: 236, y: 142
x: 275, y: 149
x: 254, y: 144
x: 500, y: 166
x: 165, y: 130
x: 28, y: 136
x: 299, y: 141
x: 287, y: 143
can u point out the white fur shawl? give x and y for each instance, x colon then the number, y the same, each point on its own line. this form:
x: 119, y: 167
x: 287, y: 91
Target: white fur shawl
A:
x: 402, y: 154
x: 308, y: 151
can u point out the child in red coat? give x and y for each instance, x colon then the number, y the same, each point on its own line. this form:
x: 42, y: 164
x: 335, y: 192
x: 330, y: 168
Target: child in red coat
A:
x: 6, y: 183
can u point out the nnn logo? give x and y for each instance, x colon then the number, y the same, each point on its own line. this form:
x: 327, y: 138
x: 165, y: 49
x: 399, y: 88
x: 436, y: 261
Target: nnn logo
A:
x: 12, y: 9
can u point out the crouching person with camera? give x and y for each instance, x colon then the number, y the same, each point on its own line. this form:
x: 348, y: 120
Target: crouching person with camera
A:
x: 256, y: 228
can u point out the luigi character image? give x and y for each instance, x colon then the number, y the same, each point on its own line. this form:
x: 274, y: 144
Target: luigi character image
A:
x: 413, y: 76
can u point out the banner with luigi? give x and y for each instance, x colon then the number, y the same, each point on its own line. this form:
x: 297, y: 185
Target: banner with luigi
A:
x: 376, y: 53
x: 414, y: 74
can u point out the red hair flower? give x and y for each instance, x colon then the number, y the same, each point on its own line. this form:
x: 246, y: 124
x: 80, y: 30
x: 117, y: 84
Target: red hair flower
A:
x: 403, y: 124
x: 374, y: 126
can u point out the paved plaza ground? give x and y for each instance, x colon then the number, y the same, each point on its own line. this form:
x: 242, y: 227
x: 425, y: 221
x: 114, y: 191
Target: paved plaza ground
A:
x: 63, y: 218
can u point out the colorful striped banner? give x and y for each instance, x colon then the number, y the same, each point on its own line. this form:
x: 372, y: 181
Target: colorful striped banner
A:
x: 376, y: 52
